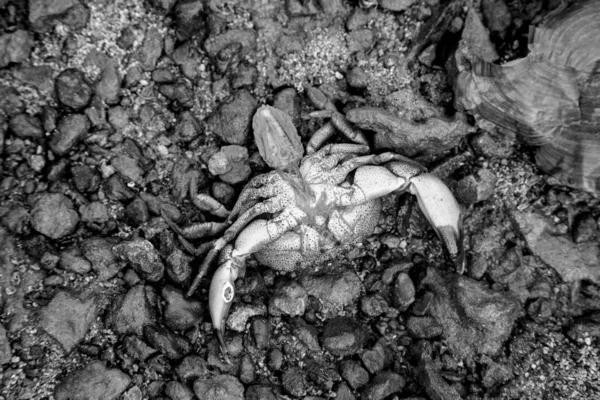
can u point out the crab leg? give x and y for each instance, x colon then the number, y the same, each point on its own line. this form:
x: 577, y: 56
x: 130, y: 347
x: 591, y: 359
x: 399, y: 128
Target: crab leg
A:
x: 251, y: 239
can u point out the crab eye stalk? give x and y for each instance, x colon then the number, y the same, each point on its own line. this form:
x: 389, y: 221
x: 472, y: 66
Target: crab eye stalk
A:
x: 276, y: 137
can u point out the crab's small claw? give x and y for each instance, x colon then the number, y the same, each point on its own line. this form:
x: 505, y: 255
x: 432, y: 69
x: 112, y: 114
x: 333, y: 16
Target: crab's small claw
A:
x: 220, y: 295
x: 443, y: 213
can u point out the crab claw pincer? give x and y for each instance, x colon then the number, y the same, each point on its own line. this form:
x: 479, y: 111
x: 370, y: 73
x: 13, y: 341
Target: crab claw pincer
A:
x: 443, y: 213
x: 220, y: 296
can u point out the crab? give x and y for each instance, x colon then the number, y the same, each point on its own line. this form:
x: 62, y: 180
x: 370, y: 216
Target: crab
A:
x: 311, y: 203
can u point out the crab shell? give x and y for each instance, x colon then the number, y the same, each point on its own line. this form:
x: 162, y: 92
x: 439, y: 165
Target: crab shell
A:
x: 551, y: 98
x: 280, y: 256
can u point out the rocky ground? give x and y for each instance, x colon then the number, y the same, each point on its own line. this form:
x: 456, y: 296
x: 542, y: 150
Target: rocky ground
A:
x: 109, y: 109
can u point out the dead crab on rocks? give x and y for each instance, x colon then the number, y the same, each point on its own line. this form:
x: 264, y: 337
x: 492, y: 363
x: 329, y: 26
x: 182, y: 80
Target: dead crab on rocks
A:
x: 312, y: 203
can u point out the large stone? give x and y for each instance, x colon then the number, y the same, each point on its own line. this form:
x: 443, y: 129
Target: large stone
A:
x: 94, y: 382
x: 53, y: 215
x: 15, y: 47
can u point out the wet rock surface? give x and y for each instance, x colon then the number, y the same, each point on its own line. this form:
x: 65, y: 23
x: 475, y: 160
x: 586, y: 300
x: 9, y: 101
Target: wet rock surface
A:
x: 116, y: 116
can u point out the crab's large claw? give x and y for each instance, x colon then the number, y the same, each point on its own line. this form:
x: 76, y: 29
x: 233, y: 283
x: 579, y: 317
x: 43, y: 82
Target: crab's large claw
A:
x: 221, y: 293
x: 443, y: 213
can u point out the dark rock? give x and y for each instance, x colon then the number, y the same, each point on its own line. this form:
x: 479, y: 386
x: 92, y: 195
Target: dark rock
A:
x: 15, y: 47
x: 136, y: 212
x: 17, y: 220
x: 26, y: 126
x: 223, y: 387
x: 224, y: 193
x: 178, y: 391
x: 475, y: 319
x: 294, y: 382
x: 10, y: 103
x: 133, y: 311
x: 493, y: 144
x: 232, y: 121
x: 67, y: 319
x: 172, y: 345
x: 573, y: 262
x: 423, y: 327
x: 86, y: 179
x: 150, y: 50
x: 178, y: 93
x: 343, y: 336
x: 71, y: 129
x: 180, y: 312
x: 53, y: 215
x: 188, y: 128
x: 246, y: 37
x: 137, y: 349
x: 357, y: 78
x: 396, y: 5
x: 191, y: 367
x: 496, y: 374
x: 383, y: 385
x: 72, y: 89
x: 377, y: 358
x: 143, y: 257
x: 189, y: 59
x: 189, y: 19
x: 99, y: 252
x: 584, y: 228
x: 117, y: 190
x: 373, y: 305
x: 289, y: 298
x: 476, y: 187
x: 72, y: 260
x: 335, y: 292
x: 344, y: 393
x: 108, y: 85
x: 306, y: 334
x: 44, y: 14
x: 94, y: 382
x: 354, y: 374
x: 260, y: 392
x: 288, y: 101
x: 429, y: 376
x: 40, y: 77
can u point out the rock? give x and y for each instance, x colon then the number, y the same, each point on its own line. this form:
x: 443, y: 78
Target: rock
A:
x: 423, y: 327
x: 354, y: 374
x: 475, y: 39
x: 247, y: 370
x: 117, y: 190
x: 108, y: 85
x: 289, y: 298
x: 143, y: 257
x: 10, y: 103
x: 344, y: 393
x: 288, y: 101
x: 433, y: 136
x: 335, y: 292
x: 429, y: 376
x: 358, y: 78
x: 179, y: 267
x: 170, y: 344
x: 377, y: 358
x: 306, y: 334
x: 98, y: 251
x: 373, y: 305
x: 94, y: 213
x: 137, y: 349
x: 475, y: 319
x: 496, y: 15
x: 128, y: 168
x: 136, y: 212
x: 178, y: 391
x: 15, y: 47
x: 150, y: 50
x: 133, y: 311
x: 40, y: 77
x: 67, y: 319
x: 261, y: 332
x: 232, y: 120
x: 44, y: 14
x: 135, y: 393
x: 496, y: 374
x: 189, y: 19
x: 180, y: 313
x: 230, y: 164
x: 294, y: 382
x: 72, y: 128
x: 26, y: 126
x: 191, y: 367
x: 260, y: 392
x: 5, y: 350
x: 188, y: 128
x: 404, y: 291
x: 223, y: 387
x: 343, y: 336
x: 246, y: 37
x: 573, y: 262
x: 396, y: 5
x: 383, y: 385
x: 94, y: 382
x: 584, y: 228
x: 239, y: 317
x: 476, y: 187
x: 72, y: 260
x: 72, y: 89
x: 85, y: 178
x: 53, y: 215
